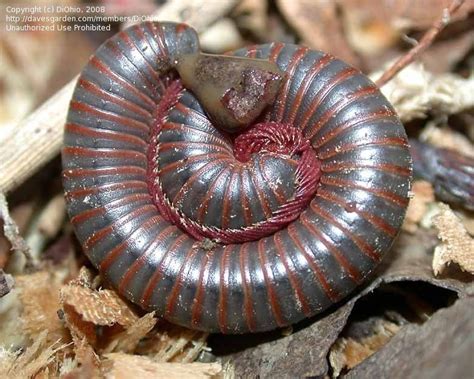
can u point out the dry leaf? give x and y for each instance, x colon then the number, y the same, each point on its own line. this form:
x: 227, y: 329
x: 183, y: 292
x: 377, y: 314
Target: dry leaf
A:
x: 319, y: 26
x: 124, y: 366
x: 367, y: 32
x: 404, y: 14
x: 456, y: 244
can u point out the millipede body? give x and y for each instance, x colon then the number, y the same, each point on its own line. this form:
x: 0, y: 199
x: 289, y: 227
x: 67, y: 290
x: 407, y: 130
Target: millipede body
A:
x: 235, y: 193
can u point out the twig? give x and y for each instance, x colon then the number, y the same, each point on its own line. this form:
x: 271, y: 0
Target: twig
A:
x: 12, y: 233
x: 424, y: 43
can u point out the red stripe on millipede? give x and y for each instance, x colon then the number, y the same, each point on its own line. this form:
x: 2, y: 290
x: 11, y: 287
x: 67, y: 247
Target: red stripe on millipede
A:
x: 105, y: 134
x: 244, y: 200
x: 281, y: 253
x: 122, y: 58
x: 251, y: 51
x: 245, y: 272
x: 223, y: 287
x: 141, y: 35
x: 226, y: 201
x: 346, y: 101
x: 147, y: 250
x: 131, y: 44
x: 272, y: 297
x: 362, y: 245
x: 275, y: 51
x: 351, y: 271
x: 98, y: 64
x: 160, y: 39
x: 389, y: 141
x: 204, y: 267
x: 102, y: 233
x: 102, y: 152
x: 290, y: 71
x: 306, y: 83
x: 203, y: 207
x: 119, y: 170
x: 351, y: 123
x: 156, y: 277
x: 108, y: 115
x: 196, y: 158
x: 208, y: 135
x: 112, y: 97
x: 164, y: 146
x: 375, y: 220
x: 385, y: 167
x: 318, y: 273
x: 86, y: 215
x: 321, y: 95
x: 172, y: 299
x: 261, y: 196
x: 114, y: 254
x: 377, y: 191
x: 279, y: 195
x: 129, y: 184
x: 211, y: 165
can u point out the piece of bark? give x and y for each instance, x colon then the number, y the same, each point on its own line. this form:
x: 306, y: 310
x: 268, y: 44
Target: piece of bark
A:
x: 440, y: 348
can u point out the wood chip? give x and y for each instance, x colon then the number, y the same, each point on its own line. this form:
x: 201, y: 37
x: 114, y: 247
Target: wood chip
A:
x: 347, y: 353
x: 128, y: 340
x: 423, y: 195
x: 447, y: 138
x: 103, y: 307
x: 456, y: 244
x: 17, y: 365
x: 39, y: 295
x: 124, y: 366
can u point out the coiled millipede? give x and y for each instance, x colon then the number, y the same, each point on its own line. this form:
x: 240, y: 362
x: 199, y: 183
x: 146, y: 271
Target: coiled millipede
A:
x: 215, y: 225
